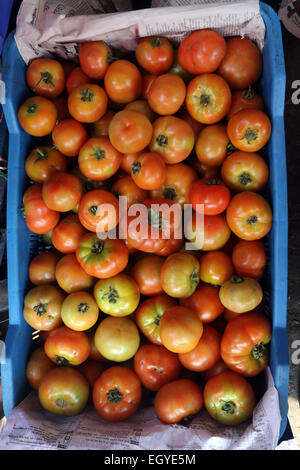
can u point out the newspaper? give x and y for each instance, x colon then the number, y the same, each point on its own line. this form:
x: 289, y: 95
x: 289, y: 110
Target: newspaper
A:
x: 31, y: 427
x: 289, y: 13
x: 51, y: 27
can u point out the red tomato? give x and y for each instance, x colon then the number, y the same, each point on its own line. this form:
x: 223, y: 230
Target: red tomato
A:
x: 98, y: 211
x: 209, y: 196
x: 94, y: 58
x: 37, y: 116
x: 46, y: 77
x: 180, y: 329
x: 212, y: 145
x: 42, y: 307
x: 87, y: 102
x: 100, y: 128
x: 212, y: 234
x: 98, y: 159
x: 146, y: 273
x: 216, y: 268
x: 245, y: 99
x: 42, y: 268
x: 249, y: 259
x: 130, y: 131
x: 123, y: 81
x: 154, y: 54
x: 71, y: 277
x: 62, y: 191
x: 205, y: 302
x: 142, y: 106
x: 42, y: 162
x: 67, y: 233
x: 245, y: 171
x: 76, y: 78
x: 67, y: 347
x: 149, y: 171
x: 249, y: 130
x: 205, y: 354
x: 39, y: 218
x: 37, y: 367
x: 69, y: 136
x: 166, y: 94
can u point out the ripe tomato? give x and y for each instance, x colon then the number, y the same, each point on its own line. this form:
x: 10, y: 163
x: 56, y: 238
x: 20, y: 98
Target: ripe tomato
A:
x: 62, y: 191
x: 148, y: 79
x: 130, y: 131
x: 126, y: 187
x: 46, y: 77
x: 249, y: 130
x: 71, y: 277
x: 127, y: 160
x: 245, y: 99
x: 94, y: 353
x: 244, y: 345
x: 172, y: 245
x: 42, y: 307
x: 178, y: 401
x: 149, y: 314
x: 123, y: 81
x: 205, y: 302
x: 154, y: 54
x: 229, y: 398
x: 242, y: 64
x: 229, y: 314
x: 76, y: 78
x: 39, y: 218
x: 61, y: 105
x: 180, y: 275
x: 205, y: 354
x: 87, y: 102
x: 37, y: 116
x: 146, y: 273
x: 249, y: 216
x: 118, y: 296
x: 67, y: 347
x: 216, y: 268
x: 176, y: 186
x: 241, y: 294
x: 208, y: 98
x: 64, y: 391
x: 69, y: 136
x: 172, y: 138
x: 102, y: 258
x: 79, y: 311
x: 149, y: 171
x: 216, y: 369
x: 212, y: 235
x: 180, y: 329
x: 245, y: 171
x: 67, y: 233
x: 209, y: 196
x: 202, y: 51
x: 141, y: 106
x: 91, y: 370
x: 100, y: 128
x: 212, y: 145
x: 166, y: 94
x: 37, y: 367
x: 42, y: 162
x: 98, y: 211
x: 94, y: 58
x: 249, y: 259
x: 98, y: 159
x: 117, y: 339
x: 117, y: 394
x: 42, y: 268
x: 156, y: 366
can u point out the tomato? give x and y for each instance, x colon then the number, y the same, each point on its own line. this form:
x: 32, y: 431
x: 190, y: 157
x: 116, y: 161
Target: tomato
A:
x: 205, y: 302
x: 249, y: 216
x: 123, y: 81
x: 67, y: 233
x: 180, y: 329
x: 208, y: 98
x: 91, y: 370
x: 242, y: 64
x: 249, y: 130
x: 205, y: 354
x: 156, y: 366
x: 178, y: 401
x: 244, y: 345
x: 87, y: 103
x: 180, y: 275
x: 117, y: 339
x: 42, y: 307
x: 241, y: 294
x: 69, y: 136
x: 126, y: 187
x: 98, y: 211
x: 62, y: 191
x: 213, y: 234
x: 37, y: 367
x: 42, y: 162
x: 149, y: 314
x: 64, y: 391
x: 37, y: 116
x: 71, y: 277
x: 141, y: 106
x: 149, y: 171
x: 146, y: 273
x: 229, y: 398
x: 100, y: 127
x: 148, y: 79
x: 94, y: 353
x: 98, y: 159
x: 130, y: 131
x: 127, y: 160
x: 203, y: 170
x: 117, y: 394
x: 245, y: 171
x: 166, y: 94
x: 177, y: 69
x: 102, y: 258
x: 76, y: 78
x: 172, y: 138
x: 249, y: 259
x: 42, y: 268
x: 46, y: 77
x: 39, y: 218
x: 209, y: 196
x: 172, y: 245
x: 79, y: 311
x: 245, y: 99
x: 229, y: 314
x: 202, y: 51
x: 213, y: 145
x: 67, y: 347
x: 216, y: 369
x: 117, y: 296
x: 61, y: 105
x: 94, y: 58
x: 154, y: 54
x: 216, y: 268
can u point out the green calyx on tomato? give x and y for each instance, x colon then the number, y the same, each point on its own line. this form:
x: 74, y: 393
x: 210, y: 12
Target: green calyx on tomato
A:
x: 98, y: 153
x: 112, y: 295
x: 212, y: 182
x: 248, y: 94
x: 155, y: 42
x: 61, y: 361
x: 244, y: 179
x: 236, y: 279
x: 155, y: 219
x: 40, y: 309
x: 162, y: 140
x: 204, y: 99
x: 136, y: 168
x: 114, y: 395
x: 157, y: 319
x: 170, y: 193
x: 252, y: 220
x: 93, y: 210
x: 86, y: 94
x: 61, y: 403
x: 31, y: 107
x: 258, y: 351
x: 46, y: 77
x: 230, y: 149
x: 195, y: 277
x: 250, y: 134
x: 83, y: 307
x: 228, y: 407
x: 97, y: 247
x: 187, y: 420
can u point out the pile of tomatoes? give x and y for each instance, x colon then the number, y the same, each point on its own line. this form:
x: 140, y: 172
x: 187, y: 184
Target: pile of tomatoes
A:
x: 138, y: 315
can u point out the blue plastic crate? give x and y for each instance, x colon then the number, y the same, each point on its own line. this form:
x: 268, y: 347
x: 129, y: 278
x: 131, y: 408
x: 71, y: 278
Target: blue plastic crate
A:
x: 5, y: 9
x: 20, y: 241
